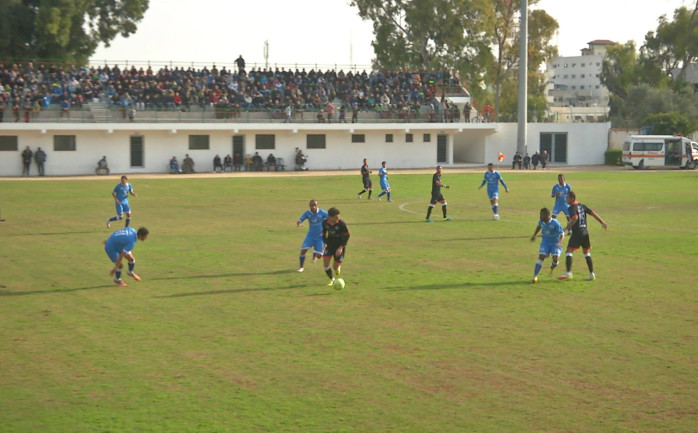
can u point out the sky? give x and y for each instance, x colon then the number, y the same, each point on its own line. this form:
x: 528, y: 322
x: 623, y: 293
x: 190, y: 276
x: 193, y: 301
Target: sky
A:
x: 323, y: 33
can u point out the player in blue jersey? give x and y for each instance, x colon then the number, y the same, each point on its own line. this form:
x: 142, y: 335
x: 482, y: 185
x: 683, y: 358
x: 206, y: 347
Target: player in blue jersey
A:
x: 315, y: 217
x: 120, y: 194
x: 118, y: 247
x: 580, y: 234
x: 492, y: 179
x: 436, y: 196
x: 560, y: 191
x: 551, y: 241
x: 335, y: 236
x: 366, y: 180
x: 385, y: 186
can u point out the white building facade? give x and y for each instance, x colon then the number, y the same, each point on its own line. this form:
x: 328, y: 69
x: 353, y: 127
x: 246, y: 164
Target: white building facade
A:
x: 75, y: 148
x: 575, y: 92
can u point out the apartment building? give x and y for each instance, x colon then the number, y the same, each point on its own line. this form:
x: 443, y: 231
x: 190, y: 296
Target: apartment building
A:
x: 575, y: 92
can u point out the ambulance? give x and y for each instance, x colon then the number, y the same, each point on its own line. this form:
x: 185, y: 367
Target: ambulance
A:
x: 645, y: 151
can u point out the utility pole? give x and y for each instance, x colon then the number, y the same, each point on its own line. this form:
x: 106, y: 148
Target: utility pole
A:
x: 523, y: 81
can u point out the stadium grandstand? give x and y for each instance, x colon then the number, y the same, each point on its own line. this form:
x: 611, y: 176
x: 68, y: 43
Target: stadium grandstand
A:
x: 121, y: 93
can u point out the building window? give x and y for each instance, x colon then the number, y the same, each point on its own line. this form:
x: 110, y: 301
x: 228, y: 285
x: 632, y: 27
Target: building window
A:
x: 358, y: 138
x: 198, y: 142
x: 388, y: 138
x: 409, y: 138
x: 265, y: 141
x: 64, y: 143
x: 427, y: 138
x: 8, y: 143
x: 315, y: 141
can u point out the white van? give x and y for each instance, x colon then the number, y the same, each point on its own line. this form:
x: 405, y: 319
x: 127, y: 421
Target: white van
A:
x: 644, y: 151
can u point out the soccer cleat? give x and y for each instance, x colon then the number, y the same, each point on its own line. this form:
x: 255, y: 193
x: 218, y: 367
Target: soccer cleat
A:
x: 338, y: 271
x: 534, y: 280
x: 390, y: 201
x: 379, y: 199
x: 358, y: 196
x: 565, y: 276
x: 108, y: 223
x: 120, y: 283
x: 496, y: 216
x: 591, y: 277
x: 331, y: 283
x: 370, y: 198
x: 300, y: 269
x: 134, y: 276
x: 428, y: 220
x: 447, y: 219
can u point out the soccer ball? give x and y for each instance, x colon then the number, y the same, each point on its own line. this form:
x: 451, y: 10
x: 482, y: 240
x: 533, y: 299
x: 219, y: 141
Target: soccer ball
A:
x: 338, y: 284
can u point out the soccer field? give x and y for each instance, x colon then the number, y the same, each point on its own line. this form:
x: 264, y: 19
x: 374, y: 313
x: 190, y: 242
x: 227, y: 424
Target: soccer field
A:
x: 438, y: 329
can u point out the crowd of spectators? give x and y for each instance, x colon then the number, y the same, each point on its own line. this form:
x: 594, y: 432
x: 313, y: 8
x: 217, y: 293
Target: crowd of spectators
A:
x: 25, y: 89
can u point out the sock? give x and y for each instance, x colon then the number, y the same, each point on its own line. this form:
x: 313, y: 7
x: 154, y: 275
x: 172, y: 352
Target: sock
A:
x: 117, y: 275
x: 495, y: 209
x: 370, y: 191
x: 539, y: 264
x: 328, y: 271
x: 590, y: 264
x: 568, y: 262
x: 362, y: 191
x: 381, y: 194
x: 128, y: 221
x: 388, y: 195
x: 302, y: 260
x: 554, y: 265
x: 114, y: 218
x: 429, y: 211
x: 131, y: 265
x: 443, y: 209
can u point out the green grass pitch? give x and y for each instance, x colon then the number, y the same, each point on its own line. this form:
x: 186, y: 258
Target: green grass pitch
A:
x: 438, y: 329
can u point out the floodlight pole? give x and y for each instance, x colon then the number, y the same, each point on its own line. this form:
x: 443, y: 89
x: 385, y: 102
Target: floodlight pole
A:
x: 523, y: 80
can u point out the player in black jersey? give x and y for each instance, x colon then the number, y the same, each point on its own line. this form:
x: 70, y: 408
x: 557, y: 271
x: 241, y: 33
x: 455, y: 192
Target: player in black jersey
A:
x: 580, y: 234
x: 335, y: 236
x: 366, y: 179
x: 436, y: 196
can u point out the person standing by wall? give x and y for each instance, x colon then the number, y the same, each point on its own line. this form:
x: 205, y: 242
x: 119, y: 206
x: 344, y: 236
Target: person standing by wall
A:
x: 40, y: 158
x: 535, y: 159
x: 544, y: 158
x: 26, y: 161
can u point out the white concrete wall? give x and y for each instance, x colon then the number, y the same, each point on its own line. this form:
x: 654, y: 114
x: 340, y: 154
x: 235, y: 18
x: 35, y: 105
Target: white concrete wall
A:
x: 586, y: 142
x: 467, y: 143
